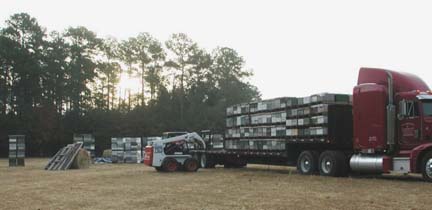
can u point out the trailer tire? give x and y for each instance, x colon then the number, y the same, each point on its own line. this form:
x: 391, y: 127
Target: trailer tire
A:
x: 191, y: 165
x: 169, y: 165
x: 333, y: 163
x: 427, y: 167
x: 307, y: 162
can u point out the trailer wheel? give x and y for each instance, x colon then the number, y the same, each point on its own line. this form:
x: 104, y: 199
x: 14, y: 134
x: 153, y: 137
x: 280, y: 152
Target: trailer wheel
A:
x: 427, y: 167
x: 191, y: 165
x: 307, y: 162
x: 169, y: 165
x: 333, y: 163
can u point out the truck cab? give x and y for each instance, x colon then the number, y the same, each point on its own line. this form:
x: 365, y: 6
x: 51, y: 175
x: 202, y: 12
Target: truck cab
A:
x: 392, y: 114
x: 414, y: 119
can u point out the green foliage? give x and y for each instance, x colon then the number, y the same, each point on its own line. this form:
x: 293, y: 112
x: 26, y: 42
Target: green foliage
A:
x: 55, y: 84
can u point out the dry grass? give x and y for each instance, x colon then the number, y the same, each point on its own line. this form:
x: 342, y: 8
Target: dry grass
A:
x: 256, y: 187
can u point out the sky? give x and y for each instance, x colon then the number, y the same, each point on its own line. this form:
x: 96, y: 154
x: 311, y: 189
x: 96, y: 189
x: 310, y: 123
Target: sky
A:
x: 295, y: 48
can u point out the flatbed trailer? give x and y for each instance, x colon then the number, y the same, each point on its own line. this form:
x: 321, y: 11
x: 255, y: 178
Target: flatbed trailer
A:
x: 388, y: 129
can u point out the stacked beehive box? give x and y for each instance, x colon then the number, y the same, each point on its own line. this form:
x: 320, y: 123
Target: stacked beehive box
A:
x: 117, y: 148
x: 88, y: 142
x: 16, y: 150
x: 132, y: 152
x: 148, y: 139
x: 270, y: 124
x: 258, y: 125
x: 126, y: 149
x: 316, y: 117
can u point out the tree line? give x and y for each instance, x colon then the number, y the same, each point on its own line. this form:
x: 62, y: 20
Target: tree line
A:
x: 54, y: 84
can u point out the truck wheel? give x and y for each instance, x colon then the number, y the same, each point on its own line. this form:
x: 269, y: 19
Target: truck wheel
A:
x: 307, y: 162
x: 169, y: 165
x: 427, y: 167
x: 191, y: 165
x: 333, y: 163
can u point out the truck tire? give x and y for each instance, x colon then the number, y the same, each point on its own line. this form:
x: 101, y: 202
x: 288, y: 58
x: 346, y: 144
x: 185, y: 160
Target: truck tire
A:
x: 333, y: 163
x: 426, y: 167
x: 191, y: 165
x: 169, y: 165
x: 307, y: 162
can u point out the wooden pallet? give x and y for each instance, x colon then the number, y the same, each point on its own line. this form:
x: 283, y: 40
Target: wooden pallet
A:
x: 63, y: 159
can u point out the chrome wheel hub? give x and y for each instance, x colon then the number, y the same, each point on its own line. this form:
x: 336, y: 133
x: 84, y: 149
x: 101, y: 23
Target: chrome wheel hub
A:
x: 326, y: 165
x: 305, y: 165
x: 428, y: 168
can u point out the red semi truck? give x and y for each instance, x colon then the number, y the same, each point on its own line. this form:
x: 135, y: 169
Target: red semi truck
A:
x: 392, y: 132
x: 388, y: 128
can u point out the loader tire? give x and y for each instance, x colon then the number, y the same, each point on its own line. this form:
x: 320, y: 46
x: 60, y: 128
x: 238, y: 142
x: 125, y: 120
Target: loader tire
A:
x: 191, y: 165
x: 169, y: 165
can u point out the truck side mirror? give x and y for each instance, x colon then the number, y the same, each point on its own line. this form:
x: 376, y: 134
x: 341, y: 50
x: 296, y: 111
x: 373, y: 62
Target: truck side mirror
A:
x: 402, y: 110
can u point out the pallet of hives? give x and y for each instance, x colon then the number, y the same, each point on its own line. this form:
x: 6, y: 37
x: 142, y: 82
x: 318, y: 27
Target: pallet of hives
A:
x: 117, y: 147
x: 16, y: 150
x: 256, y: 144
x: 88, y: 142
x: 326, y: 123
x: 132, y: 152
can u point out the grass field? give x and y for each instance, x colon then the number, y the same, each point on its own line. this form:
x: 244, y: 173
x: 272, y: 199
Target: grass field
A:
x: 132, y: 186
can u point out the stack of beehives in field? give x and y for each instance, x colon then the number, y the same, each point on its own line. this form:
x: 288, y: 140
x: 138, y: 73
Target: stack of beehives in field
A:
x: 16, y: 150
x: 88, y: 142
x: 117, y: 149
x: 270, y: 124
x: 126, y: 149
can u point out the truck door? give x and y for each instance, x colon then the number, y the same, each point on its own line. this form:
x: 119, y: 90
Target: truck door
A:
x: 426, y: 108
x: 409, y: 124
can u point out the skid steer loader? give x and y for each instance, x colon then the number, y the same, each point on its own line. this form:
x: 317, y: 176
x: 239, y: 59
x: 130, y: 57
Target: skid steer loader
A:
x: 173, y: 154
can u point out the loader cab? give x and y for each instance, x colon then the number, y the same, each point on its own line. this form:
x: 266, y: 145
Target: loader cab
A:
x: 414, y: 119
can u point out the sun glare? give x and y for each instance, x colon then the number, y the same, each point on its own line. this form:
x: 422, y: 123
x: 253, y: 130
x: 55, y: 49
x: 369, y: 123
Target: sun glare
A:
x: 128, y: 83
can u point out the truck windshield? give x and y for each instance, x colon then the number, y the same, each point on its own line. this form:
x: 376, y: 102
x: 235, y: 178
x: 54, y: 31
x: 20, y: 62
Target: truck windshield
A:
x: 427, y: 108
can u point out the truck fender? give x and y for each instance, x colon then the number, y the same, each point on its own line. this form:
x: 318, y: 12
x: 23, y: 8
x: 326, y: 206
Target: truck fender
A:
x: 416, y: 156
